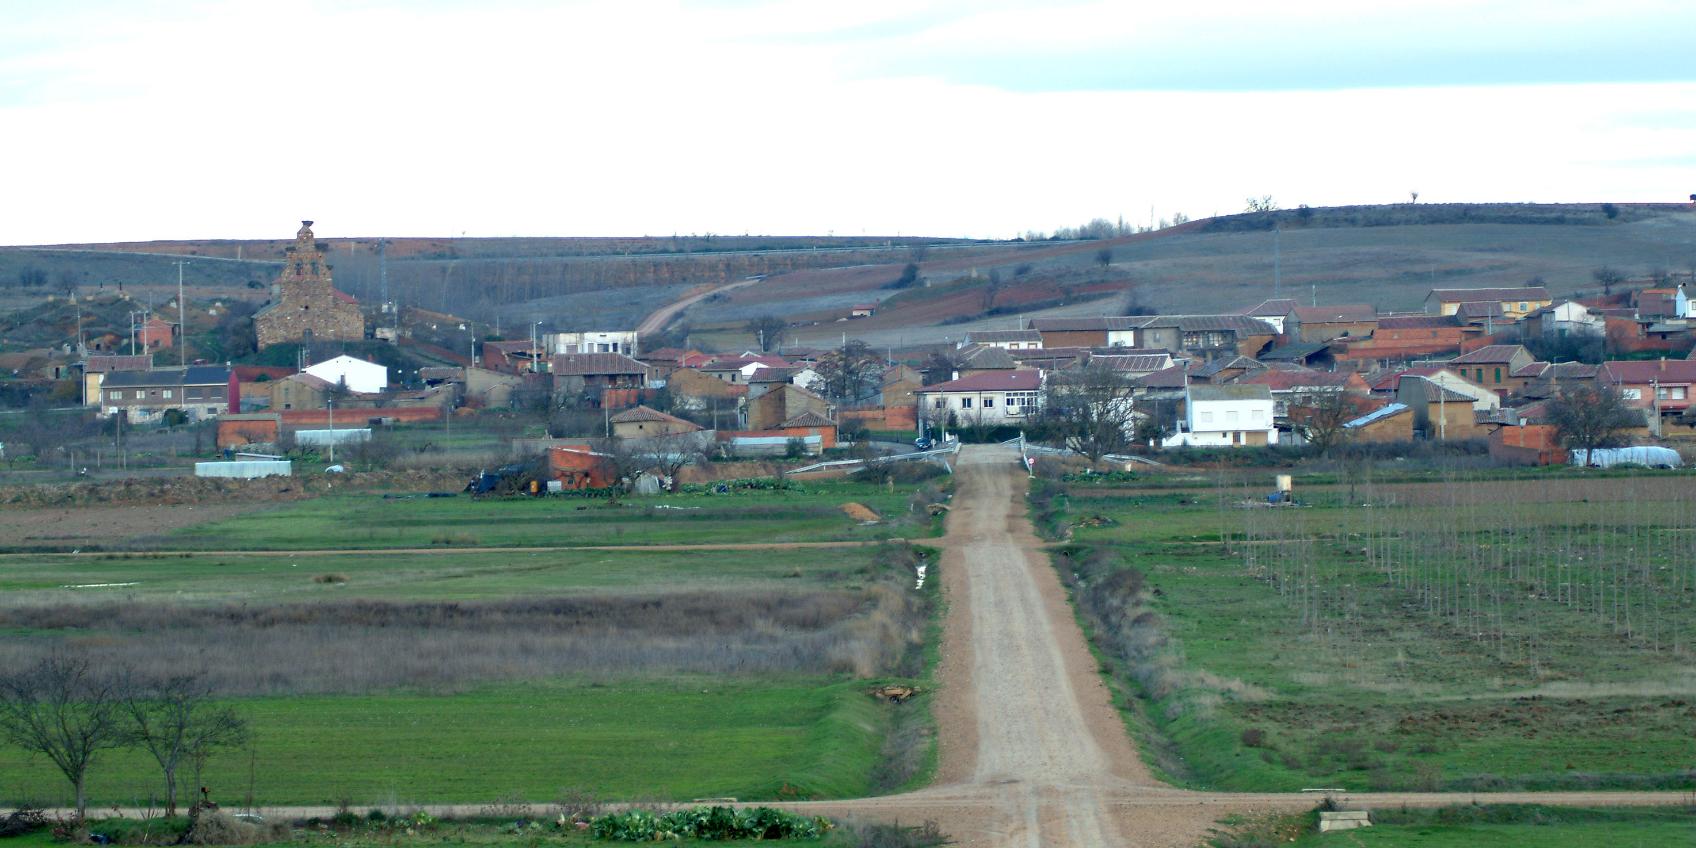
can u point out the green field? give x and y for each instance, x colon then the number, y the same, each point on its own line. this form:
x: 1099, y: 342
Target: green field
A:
x: 449, y: 575
x: 810, y: 512
x: 392, y: 677
x: 1505, y: 825
x: 1465, y: 634
x: 618, y: 738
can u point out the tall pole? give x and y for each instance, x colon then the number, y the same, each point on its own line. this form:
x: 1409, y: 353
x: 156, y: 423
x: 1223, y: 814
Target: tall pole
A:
x: 182, y: 319
x: 383, y: 273
x: 331, y: 403
x: 1277, y: 261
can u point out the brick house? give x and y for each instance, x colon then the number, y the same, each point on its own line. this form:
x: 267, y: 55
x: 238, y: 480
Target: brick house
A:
x: 1324, y: 323
x: 1514, y: 303
x: 95, y: 369
x: 305, y: 304
x: 155, y: 334
x: 592, y: 375
x: 1493, y: 366
x: 1660, y: 385
x: 199, y: 391
x: 642, y: 422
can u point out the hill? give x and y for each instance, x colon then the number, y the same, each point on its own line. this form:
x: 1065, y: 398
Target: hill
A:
x: 1389, y: 256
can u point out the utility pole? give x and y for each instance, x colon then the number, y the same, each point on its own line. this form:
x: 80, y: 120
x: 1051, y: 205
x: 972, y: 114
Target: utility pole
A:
x: 383, y: 273
x: 330, y: 403
x: 182, y: 319
x: 1277, y: 260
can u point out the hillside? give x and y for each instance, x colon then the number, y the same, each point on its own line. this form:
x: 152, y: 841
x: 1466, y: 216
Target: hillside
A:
x: 1389, y: 256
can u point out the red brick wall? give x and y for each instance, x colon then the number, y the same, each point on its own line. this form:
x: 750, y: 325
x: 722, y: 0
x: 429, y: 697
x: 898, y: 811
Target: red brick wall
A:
x: 295, y: 419
x: 234, y: 434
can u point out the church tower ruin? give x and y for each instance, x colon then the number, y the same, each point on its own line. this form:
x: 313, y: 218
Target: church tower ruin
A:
x: 305, y: 304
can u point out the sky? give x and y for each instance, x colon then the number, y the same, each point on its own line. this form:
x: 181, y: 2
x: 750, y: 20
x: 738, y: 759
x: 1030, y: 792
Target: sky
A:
x: 136, y: 121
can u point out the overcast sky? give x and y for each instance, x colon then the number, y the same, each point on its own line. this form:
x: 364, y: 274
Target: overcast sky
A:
x: 123, y: 120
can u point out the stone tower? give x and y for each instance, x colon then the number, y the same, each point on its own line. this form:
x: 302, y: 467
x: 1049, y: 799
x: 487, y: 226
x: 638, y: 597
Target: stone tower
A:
x: 305, y: 304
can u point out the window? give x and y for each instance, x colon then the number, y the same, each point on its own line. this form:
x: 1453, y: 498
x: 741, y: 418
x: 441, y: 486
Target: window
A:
x: 1631, y: 394
x: 939, y: 403
x: 167, y: 394
x: 1231, y: 416
x: 141, y: 394
x: 1670, y: 392
x: 1206, y: 417
x: 1522, y: 306
x: 1498, y: 375
x: 965, y: 403
x: 988, y: 402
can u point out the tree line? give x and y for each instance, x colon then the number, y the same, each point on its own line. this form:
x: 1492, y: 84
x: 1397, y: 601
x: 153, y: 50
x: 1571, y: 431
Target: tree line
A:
x: 71, y: 712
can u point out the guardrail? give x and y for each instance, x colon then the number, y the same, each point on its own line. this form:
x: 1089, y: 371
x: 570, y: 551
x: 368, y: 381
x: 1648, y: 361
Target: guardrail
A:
x: 936, y: 454
x: 1115, y: 457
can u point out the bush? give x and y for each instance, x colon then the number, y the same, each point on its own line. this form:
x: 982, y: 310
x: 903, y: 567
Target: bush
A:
x: 216, y: 827
x: 1253, y: 737
x: 709, y: 823
x: 859, y: 835
x: 25, y: 819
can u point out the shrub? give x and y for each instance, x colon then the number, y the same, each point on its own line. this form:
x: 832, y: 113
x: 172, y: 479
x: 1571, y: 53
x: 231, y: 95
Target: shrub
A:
x: 216, y: 827
x: 708, y: 823
x: 25, y: 819
x: 1253, y: 737
x: 872, y: 835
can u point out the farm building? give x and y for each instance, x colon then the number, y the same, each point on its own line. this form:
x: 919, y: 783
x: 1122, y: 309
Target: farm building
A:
x: 357, y: 374
x: 645, y: 423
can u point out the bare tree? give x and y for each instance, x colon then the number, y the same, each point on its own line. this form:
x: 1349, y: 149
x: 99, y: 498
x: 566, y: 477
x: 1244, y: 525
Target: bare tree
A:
x: 178, y: 722
x: 939, y: 367
x: 1587, y: 417
x: 1089, y: 410
x: 64, y: 710
x: 1264, y: 203
x: 768, y: 330
x: 1320, y: 416
x: 850, y: 372
x: 1608, y: 278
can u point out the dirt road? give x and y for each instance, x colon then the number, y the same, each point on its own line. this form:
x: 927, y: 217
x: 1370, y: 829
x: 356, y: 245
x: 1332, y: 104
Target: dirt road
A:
x: 1032, y: 751
x: 659, y: 318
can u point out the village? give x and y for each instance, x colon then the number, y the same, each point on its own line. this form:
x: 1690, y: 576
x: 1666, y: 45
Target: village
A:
x: 620, y: 408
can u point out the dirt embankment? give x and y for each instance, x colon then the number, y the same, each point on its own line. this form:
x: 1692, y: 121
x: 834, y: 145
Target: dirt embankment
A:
x: 199, y: 490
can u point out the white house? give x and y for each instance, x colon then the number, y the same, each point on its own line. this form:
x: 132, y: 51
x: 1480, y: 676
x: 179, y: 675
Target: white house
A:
x: 1573, y: 319
x: 359, y: 375
x: 1226, y: 416
x: 992, y: 397
x: 614, y: 341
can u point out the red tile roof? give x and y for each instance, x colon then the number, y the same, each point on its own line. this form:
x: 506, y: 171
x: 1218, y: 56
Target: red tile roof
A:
x: 585, y: 364
x: 1343, y: 313
x: 1643, y: 372
x: 1283, y: 381
x: 1489, y: 355
x: 993, y: 381
x: 1416, y: 322
x: 643, y: 414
